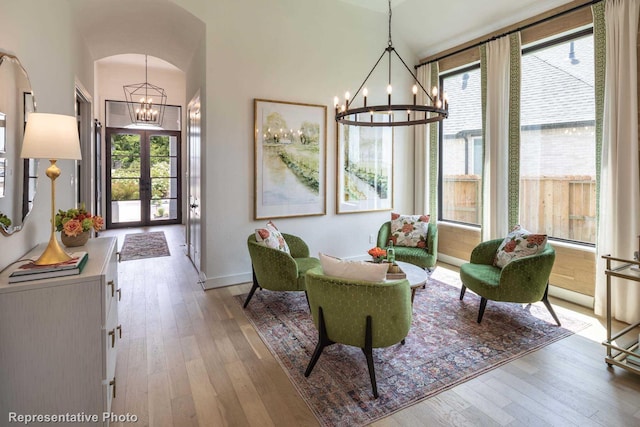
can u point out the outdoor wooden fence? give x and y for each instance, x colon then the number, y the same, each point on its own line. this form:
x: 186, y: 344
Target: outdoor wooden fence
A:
x: 562, y: 207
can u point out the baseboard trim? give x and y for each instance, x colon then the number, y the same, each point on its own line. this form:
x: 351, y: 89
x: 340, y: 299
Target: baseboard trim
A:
x: 571, y: 296
x: 222, y: 281
x: 447, y: 259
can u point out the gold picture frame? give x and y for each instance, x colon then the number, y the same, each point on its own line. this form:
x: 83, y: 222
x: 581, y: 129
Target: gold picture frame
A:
x: 290, y: 159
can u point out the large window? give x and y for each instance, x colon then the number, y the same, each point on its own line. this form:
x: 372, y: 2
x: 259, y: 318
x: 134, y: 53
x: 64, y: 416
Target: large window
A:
x: 461, y: 149
x: 557, y: 140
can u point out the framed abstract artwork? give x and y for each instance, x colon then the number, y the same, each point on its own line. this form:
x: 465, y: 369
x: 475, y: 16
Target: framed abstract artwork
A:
x: 364, y: 168
x: 290, y: 159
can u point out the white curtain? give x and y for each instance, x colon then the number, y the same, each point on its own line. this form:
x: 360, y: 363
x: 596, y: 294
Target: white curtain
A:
x: 421, y: 150
x: 619, y: 217
x: 496, y: 144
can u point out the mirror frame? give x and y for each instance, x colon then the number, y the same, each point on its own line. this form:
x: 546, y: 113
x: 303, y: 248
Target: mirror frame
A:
x: 29, y: 170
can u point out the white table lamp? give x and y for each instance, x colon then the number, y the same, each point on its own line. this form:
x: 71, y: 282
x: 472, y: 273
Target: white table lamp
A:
x: 53, y: 137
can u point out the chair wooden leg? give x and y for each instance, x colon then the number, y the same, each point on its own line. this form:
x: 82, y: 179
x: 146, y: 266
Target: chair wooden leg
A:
x: 307, y: 297
x: 368, y: 352
x: 252, y: 291
x: 483, y: 304
x: 546, y: 302
x: 323, y: 341
x: 462, y: 291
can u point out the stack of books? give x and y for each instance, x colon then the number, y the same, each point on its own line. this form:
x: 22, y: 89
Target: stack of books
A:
x: 31, y: 271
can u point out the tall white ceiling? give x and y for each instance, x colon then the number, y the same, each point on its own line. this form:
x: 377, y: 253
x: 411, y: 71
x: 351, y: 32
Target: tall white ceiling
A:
x: 431, y: 26
x: 168, y: 31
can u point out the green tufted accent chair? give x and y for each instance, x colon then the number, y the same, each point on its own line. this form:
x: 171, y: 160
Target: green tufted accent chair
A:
x: 416, y: 256
x: 276, y: 270
x: 523, y: 280
x: 359, y: 313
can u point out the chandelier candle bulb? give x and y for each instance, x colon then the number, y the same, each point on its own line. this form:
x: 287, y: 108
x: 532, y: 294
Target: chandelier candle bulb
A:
x: 434, y: 91
x: 415, y: 94
x: 365, y: 92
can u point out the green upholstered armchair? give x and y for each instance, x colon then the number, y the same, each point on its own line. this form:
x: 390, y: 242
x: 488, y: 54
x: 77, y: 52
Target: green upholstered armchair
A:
x: 358, y: 313
x: 417, y: 256
x: 276, y: 270
x: 523, y: 280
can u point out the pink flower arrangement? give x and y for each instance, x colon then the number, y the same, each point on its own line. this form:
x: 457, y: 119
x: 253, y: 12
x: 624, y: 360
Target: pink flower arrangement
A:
x: 73, y: 222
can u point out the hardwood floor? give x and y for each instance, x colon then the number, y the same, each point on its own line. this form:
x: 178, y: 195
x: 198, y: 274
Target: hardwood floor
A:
x: 191, y: 358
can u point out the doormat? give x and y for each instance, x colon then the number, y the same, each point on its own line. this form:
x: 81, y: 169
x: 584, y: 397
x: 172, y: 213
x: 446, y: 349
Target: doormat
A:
x: 445, y: 347
x: 144, y: 245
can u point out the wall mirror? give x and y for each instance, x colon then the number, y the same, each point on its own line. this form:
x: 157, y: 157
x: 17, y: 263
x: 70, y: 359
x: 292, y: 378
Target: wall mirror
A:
x: 17, y: 176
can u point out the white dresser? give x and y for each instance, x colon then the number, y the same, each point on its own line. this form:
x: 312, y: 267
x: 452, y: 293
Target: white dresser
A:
x: 59, y: 339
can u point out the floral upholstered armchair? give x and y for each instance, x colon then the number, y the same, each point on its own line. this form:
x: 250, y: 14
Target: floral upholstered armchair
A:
x: 521, y: 280
x: 424, y: 257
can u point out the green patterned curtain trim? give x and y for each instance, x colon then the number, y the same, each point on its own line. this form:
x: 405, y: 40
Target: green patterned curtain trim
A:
x: 433, y: 154
x: 514, y: 129
x: 483, y: 96
x: 599, y: 50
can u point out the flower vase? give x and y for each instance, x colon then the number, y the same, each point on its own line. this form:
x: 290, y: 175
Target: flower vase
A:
x: 73, y: 241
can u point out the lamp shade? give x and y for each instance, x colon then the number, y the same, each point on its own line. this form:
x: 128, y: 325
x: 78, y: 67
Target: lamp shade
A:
x: 51, y: 136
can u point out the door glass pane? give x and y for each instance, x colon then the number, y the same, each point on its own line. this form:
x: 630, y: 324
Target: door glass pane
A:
x: 557, y: 142
x: 461, y: 164
x: 125, y: 211
x: 125, y: 178
x: 163, y: 209
x: 162, y: 188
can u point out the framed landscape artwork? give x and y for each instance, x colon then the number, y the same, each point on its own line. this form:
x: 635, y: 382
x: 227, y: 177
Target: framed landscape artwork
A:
x: 290, y: 159
x: 365, y: 168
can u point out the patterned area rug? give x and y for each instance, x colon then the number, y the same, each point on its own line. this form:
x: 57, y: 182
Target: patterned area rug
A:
x: 144, y: 245
x: 444, y: 348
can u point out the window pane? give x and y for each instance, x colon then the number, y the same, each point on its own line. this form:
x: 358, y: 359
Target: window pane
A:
x: 461, y: 149
x: 557, y: 151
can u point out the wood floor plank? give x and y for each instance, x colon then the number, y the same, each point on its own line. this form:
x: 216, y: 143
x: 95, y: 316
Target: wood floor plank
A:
x: 160, y: 414
x: 204, y: 395
x: 190, y: 357
x: 249, y: 398
x: 484, y: 404
x: 184, y: 412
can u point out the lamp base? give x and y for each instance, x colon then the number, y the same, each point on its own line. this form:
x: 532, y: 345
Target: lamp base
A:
x: 53, y: 254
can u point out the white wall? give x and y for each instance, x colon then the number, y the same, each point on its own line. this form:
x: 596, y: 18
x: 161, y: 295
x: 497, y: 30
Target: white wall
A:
x: 290, y: 50
x: 41, y: 35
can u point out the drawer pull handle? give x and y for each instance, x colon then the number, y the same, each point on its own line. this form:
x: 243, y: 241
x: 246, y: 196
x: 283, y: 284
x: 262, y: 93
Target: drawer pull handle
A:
x: 119, y: 328
x: 119, y: 292
x: 113, y: 287
x: 112, y: 334
x: 113, y: 383
x: 119, y: 256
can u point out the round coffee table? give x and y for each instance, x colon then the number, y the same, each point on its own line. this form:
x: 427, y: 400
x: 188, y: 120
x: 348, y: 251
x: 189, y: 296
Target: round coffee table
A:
x: 416, y: 276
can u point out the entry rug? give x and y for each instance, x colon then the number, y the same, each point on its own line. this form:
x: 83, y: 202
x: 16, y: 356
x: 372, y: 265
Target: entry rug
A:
x: 445, y: 347
x: 144, y: 245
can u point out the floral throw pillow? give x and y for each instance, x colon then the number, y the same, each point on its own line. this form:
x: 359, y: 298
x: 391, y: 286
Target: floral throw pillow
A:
x: 519, y: 243
x: 409, y: 230
x: 271, y: 237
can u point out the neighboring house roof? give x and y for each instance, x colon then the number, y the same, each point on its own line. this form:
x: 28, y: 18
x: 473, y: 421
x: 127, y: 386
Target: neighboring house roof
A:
x: 554, y: 89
